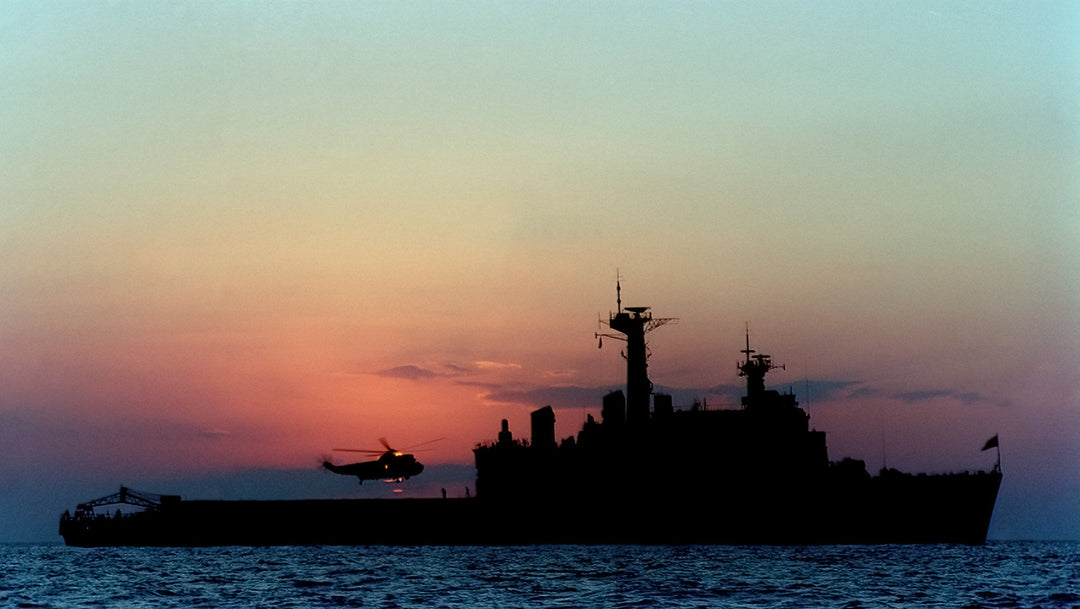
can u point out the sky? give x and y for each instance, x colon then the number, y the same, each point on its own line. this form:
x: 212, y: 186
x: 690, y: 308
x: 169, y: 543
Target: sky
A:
x: 237, y: 235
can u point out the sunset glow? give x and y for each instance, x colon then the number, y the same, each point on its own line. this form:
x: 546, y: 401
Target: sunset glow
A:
x: 236, y: 236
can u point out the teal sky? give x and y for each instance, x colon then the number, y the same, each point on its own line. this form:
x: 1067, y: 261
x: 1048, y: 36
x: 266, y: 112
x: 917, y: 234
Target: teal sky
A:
x: 220, y: 218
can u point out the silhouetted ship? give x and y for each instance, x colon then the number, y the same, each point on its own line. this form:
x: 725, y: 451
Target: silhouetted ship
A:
x: 647, y: 473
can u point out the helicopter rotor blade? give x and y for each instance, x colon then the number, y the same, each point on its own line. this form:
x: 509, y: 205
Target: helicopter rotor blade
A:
x: 386, y: 445
x: 423, y: 443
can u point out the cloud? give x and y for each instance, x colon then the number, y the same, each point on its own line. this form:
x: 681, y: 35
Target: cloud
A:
x: 413, y: 372
x: 864, y: 392
x: 854, y: 390
x: 215, y: 433
x: 485, y: 365
x: 914, y: 397
x: 480, y: 384
x: 570, y: 396
x: 825, y: 390
x: 410, y: 372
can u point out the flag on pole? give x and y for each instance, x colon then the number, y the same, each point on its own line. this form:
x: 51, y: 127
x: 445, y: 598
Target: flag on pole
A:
x: 991, y: 443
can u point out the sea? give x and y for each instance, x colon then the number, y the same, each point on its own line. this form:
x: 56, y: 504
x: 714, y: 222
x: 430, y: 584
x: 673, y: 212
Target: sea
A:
x: 998, y: 574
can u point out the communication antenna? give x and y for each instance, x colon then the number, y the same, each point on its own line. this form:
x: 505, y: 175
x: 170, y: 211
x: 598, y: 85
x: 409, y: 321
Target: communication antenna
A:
x: 618, y: 290
x: 884, y: 456
x: 748, y: 350
x: 806, y: 380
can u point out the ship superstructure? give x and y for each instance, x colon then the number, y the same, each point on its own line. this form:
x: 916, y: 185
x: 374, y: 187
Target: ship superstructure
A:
x: 650, y: 473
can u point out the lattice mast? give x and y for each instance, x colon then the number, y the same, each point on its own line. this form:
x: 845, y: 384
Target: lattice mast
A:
x: 634, y: 323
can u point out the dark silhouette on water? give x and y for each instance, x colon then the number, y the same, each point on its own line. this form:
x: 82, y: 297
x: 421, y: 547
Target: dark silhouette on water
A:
x: 391, y: 466
x: 646, y: 473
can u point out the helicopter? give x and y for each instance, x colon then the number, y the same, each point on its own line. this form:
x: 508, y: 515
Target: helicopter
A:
x: 391, y: 466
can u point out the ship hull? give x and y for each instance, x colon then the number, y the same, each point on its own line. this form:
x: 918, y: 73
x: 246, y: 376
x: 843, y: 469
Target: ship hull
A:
x: 900, y: 509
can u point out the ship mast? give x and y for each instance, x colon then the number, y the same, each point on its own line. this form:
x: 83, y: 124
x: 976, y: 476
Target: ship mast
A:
x: 634, y: 323
x: 754, y: 368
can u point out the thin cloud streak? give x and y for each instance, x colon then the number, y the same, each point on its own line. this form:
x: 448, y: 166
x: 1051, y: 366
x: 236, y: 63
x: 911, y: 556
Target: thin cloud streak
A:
x: 410, y: 372
x: 420, y: 373
x: 964, y: 397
